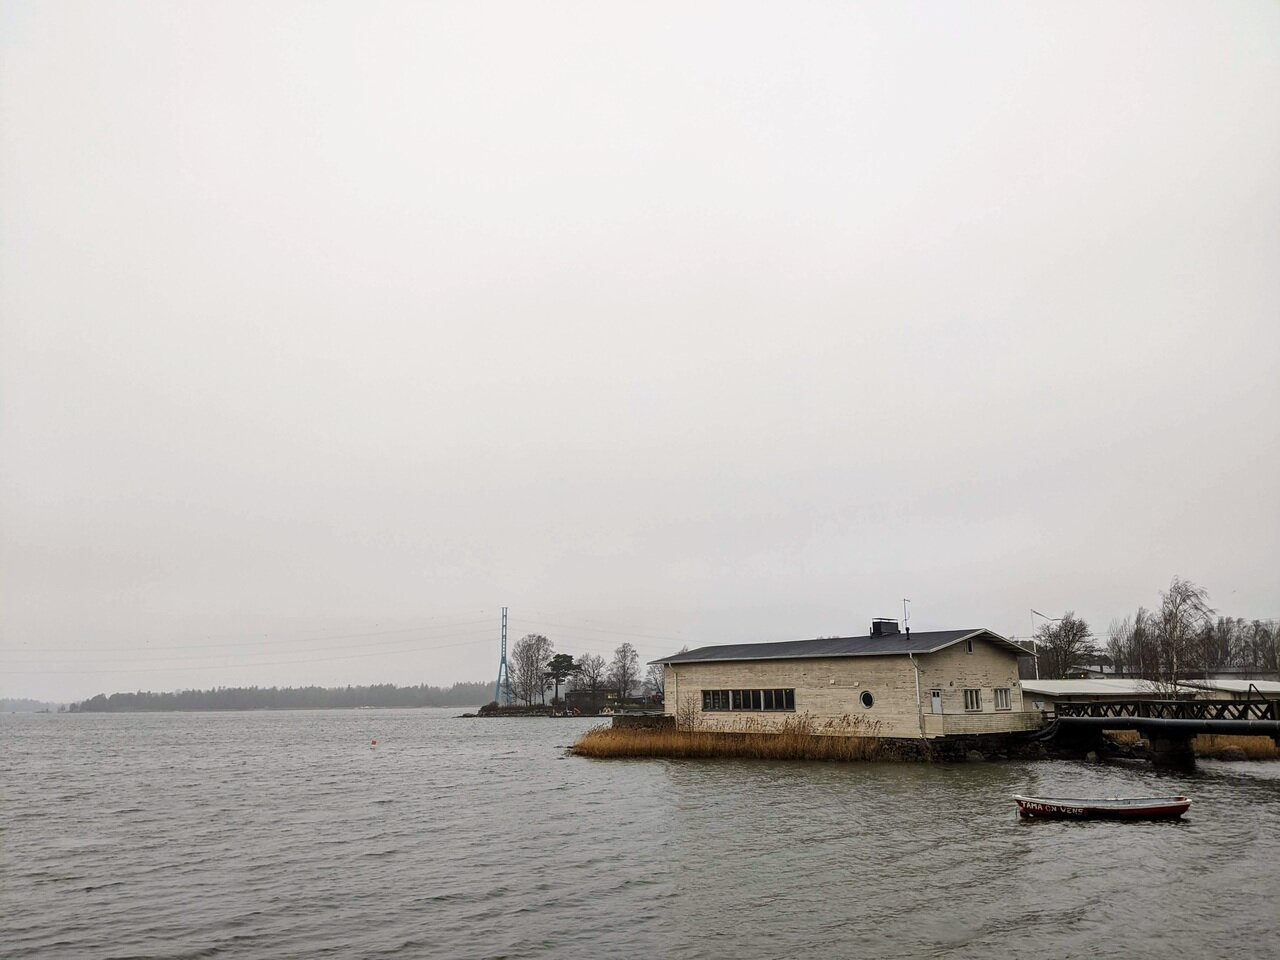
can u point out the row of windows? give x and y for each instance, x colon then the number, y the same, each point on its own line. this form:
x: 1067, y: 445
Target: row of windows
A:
x: 785, y: 699
x: 973, y: 699
x: 748, y: 699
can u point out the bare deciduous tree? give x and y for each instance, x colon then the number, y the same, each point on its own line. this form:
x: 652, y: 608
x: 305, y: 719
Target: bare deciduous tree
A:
x: 528, y: 665
x: 624, y: 671
x: 1182, y: 641
x: 1118, y: 645
x: 1062, y: 645
x: 591, y: 675
x: 1177, y: 628
x: 1218, y: 644
x: 1262, y: 647
x: 655, y: 678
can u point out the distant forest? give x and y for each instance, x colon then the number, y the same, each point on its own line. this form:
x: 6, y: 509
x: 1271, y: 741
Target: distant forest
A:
x: 291, y: 698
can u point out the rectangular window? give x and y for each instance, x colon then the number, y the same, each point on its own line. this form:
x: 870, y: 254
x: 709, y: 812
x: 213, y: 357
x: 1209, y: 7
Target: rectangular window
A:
x: 972, y: 699
x: 751, y: 700
x: 1002, y: 698
x: 779, y: 699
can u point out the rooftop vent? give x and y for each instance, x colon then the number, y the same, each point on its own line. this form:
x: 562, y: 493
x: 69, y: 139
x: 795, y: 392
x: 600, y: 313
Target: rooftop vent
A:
x: 883, y: 628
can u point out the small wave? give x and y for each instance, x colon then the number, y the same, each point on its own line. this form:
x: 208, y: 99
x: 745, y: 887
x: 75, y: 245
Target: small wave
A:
x: 55, y: 878
x: 103, y: 886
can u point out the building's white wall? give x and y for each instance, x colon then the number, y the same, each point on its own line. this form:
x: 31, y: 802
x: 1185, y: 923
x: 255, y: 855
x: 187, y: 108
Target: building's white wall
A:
x: 828, y: 689
x: 955, y: 724
x: 953, y: 669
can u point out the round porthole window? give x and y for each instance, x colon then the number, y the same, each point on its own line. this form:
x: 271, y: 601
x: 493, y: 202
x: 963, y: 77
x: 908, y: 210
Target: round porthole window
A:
x: 867, y: 699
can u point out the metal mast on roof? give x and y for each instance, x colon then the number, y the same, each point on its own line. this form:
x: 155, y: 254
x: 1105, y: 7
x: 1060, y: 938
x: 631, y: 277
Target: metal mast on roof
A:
x: 502, y: 689
x: 906, y: 616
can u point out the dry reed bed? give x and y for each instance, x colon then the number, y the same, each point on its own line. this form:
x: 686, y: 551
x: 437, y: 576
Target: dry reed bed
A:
x: 1254, y: 748
x: 798, y: 740
x: 1212, y: 745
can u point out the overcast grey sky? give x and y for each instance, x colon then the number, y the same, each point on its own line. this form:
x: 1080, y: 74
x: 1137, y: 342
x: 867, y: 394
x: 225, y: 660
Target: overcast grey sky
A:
x: 330, y: 328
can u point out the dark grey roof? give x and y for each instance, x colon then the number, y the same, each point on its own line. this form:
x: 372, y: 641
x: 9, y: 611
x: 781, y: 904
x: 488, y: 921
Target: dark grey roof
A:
x: 891, y: 645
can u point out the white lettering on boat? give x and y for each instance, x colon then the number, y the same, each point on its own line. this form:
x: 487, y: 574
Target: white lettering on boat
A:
x: 1052, y: 808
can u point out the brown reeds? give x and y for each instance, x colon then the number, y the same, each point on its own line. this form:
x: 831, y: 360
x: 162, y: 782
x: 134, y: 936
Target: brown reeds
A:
x: 1126, y: 737
x: 1212, y: 745
x: 798, y: 738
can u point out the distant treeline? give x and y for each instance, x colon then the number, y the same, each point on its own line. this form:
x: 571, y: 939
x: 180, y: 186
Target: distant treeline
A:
x: 291, y: 698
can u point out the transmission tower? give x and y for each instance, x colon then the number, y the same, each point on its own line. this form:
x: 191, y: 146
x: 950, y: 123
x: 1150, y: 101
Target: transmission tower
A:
x: 502, y: 689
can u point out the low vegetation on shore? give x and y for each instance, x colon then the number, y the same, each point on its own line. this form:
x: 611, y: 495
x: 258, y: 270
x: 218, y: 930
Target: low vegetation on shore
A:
x: 1212, y: 746
x: 1215, y: 746
x: 799, y: 738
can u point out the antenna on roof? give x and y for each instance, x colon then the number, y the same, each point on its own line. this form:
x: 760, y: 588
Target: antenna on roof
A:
x: 906, y: 616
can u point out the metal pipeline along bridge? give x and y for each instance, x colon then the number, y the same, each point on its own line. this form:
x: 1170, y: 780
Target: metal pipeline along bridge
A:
x: 1169, y: 725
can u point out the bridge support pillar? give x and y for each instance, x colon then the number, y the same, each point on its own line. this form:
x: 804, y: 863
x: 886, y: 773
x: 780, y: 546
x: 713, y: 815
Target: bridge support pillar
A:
x: 1172, y: 752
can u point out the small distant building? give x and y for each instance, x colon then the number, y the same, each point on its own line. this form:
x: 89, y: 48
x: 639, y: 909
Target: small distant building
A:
x: 1045, y: 695
x: 1099, y: 670
x: 605, y: 700
x: 586, y: 701
x: 1234, y: 689
x: 929, y: 684
x: 1243, y: 673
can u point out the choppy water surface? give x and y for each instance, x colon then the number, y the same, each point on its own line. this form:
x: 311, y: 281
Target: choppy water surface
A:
x: 280, y: 835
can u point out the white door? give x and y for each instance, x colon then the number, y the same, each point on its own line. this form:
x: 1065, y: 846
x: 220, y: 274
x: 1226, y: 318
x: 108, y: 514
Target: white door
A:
x: 935, y: 698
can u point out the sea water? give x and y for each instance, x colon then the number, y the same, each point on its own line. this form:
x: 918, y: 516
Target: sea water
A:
x: 291, y: 834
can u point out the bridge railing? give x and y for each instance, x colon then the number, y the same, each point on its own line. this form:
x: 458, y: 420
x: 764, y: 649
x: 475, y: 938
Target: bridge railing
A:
x: 1174, y: 709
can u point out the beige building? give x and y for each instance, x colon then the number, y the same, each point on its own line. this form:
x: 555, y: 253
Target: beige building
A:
x: 891, y: 684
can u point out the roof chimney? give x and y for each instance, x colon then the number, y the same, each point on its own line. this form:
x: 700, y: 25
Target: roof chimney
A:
x: 880, y: 627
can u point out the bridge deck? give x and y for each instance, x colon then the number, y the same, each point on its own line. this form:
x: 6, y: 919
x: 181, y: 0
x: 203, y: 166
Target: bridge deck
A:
x: 1175, y: 709
x: 1177, y: 718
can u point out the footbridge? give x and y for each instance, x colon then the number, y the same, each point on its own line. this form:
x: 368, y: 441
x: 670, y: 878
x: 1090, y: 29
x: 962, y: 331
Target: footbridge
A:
x: 1170, y: 725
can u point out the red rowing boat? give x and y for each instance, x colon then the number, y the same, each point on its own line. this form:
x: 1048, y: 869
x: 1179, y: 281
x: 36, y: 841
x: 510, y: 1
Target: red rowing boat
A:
x: 1112, y: 808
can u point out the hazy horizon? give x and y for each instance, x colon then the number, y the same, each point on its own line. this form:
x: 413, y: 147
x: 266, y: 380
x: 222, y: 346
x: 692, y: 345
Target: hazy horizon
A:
x: 326, y: 331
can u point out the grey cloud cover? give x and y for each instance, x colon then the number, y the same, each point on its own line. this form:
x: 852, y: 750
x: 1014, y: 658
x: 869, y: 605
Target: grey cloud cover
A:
x: 678, y: 323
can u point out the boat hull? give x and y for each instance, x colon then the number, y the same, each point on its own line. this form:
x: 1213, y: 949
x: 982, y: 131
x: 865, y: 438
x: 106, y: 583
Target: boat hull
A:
x: 1144, y: 808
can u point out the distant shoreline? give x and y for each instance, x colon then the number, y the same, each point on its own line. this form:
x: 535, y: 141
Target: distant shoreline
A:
x: 370, y: 697
x: 285, y: 709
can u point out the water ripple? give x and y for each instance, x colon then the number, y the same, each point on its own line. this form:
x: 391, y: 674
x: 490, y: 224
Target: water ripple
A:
x: 276, y: 835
